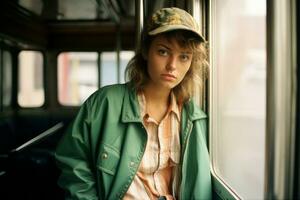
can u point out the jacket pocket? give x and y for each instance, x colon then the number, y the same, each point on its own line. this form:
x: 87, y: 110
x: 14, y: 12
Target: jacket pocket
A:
x: 108, y: 159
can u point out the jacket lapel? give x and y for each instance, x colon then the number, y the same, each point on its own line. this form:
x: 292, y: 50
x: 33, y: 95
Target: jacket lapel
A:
x: 190, y: 113
x: 130, y: 108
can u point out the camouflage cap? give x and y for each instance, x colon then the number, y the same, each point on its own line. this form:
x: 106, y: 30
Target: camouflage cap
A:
x: 168, y: 19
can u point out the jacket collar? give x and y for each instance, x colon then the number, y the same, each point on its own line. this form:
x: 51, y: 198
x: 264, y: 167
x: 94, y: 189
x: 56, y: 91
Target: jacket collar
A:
x: 193, y: 111
x: 131, y: 110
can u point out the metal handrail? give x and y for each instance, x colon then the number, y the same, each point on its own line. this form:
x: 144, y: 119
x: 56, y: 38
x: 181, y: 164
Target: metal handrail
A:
x: 38, y: 138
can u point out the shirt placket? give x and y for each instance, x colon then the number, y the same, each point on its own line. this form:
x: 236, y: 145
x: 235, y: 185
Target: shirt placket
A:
x: 160, y: 147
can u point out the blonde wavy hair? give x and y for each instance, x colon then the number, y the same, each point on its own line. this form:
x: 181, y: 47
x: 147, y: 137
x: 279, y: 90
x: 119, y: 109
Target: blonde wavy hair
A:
x: 136, y: 70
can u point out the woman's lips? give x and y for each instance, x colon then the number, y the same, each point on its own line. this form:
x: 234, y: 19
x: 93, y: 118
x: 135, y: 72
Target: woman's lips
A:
x: 168, y: 76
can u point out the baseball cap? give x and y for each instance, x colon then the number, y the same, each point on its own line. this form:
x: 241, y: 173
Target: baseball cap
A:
x: 168, y: 19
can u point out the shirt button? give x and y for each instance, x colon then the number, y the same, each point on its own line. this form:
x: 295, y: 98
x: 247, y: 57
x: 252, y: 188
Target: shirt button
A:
x: 104, y: 155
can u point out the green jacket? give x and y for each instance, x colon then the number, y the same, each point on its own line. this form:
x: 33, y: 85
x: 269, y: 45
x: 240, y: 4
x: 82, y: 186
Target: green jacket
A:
x: 101, y: 152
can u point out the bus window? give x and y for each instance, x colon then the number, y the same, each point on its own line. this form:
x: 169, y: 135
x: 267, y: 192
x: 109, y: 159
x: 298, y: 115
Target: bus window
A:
x: 31, y: 87
x: 35, y: 6
x: 238, y: 95
x: 77, y: 77
x: 7, y: 78
x: 109, y: 70
x: 125, y: 56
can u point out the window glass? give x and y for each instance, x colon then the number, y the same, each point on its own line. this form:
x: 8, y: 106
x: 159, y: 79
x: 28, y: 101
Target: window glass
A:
x: 239, y: 94
x: 35, y: 6
x: 31, y: 87
x: 7, y: 78
x: 88, y: 10
x: 125, y: 56
x: 109, y: 70
x: 77, y: 77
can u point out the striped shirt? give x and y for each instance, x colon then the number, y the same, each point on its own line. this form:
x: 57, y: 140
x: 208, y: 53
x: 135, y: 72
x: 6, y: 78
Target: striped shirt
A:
x: 156, y: 175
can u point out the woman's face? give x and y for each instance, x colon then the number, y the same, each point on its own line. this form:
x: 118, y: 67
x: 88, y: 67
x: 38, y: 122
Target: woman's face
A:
x: 167, y: 63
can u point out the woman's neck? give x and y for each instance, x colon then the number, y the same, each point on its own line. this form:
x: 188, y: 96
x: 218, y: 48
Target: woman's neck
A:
x: 157, y: 101
x: 157, y: 95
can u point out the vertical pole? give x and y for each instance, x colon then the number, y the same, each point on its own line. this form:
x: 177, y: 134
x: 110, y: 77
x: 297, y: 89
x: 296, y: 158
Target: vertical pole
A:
x: 1, y: 78
x: 281, y: 99
x: 139, y: 21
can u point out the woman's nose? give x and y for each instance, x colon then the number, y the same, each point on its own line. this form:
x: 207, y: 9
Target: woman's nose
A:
x: 171, y: 63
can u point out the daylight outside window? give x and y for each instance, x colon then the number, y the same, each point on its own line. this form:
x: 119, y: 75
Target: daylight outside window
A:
x: 109, y: 69
x: 125, y: 57
x: 31, y: 81
x: 238, y: 94
x: 77, y: 77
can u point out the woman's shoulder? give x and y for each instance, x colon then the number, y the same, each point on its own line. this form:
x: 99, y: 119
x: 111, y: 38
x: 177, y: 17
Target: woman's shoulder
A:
x: 194, y: 111
x: 109, y: 92
x: 114, y: 89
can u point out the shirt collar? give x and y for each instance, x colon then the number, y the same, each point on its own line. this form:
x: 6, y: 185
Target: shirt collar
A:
x: 173, y: 106
x: 131, y: 109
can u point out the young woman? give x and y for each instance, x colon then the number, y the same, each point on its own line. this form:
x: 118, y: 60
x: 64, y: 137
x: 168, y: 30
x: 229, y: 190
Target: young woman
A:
x: 145, y: 139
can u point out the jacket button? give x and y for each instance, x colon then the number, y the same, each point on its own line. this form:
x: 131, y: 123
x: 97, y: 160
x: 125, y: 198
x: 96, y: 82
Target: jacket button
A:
x: 132, y: 164
x: 104, y: 155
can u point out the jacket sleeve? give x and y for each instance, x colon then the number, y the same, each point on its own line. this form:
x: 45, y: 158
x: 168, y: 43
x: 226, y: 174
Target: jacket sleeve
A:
x: 73, y: 157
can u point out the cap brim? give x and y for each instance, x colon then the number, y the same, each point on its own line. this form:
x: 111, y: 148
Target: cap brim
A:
x: 167, y: 28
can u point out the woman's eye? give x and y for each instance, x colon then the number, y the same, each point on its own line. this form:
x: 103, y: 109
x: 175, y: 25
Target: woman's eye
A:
x: 162, y: 52
x: 184, y: 57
